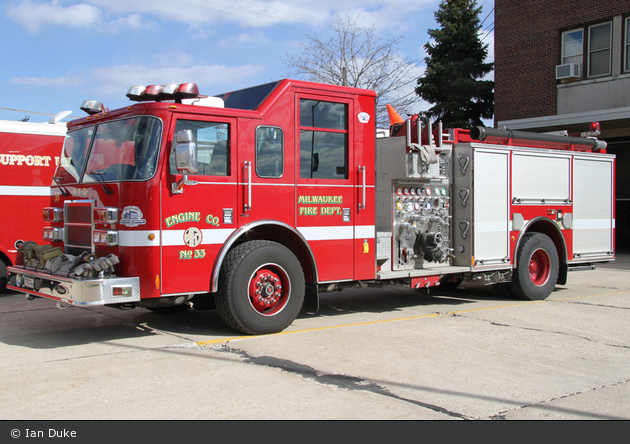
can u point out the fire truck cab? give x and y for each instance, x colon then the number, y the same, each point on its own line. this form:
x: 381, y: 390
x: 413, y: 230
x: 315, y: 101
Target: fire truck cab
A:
x: 259, y: 199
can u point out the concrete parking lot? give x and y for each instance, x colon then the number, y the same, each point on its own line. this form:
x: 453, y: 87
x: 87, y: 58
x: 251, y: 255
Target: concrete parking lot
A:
x: 388, y: 354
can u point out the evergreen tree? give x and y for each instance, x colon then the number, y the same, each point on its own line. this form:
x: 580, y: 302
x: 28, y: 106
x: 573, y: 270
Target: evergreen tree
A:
x: 455, y: 63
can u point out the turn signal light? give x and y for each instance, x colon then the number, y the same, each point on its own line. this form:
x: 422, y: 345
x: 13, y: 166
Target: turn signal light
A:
x: 106, y: 215
x: 105, y: 238
x: 121, y: 291
x: 53, y: 234
x: 52, y: 214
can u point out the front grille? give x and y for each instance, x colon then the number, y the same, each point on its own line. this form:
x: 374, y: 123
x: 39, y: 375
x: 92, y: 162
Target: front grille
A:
x: 78, y: 227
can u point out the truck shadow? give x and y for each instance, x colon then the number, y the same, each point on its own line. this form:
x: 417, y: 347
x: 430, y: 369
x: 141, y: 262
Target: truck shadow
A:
x: 39, y: 324
x: 397, y: 298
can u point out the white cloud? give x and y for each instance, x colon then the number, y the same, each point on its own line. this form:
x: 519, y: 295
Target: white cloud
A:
x: 197, y: 13
x: 33, y: 16
x: 58, y: 82
x: 256, y: 38
x: 114, y: 81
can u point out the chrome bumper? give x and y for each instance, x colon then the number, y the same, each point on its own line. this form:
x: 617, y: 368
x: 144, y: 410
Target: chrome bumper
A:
x: 73, y: 291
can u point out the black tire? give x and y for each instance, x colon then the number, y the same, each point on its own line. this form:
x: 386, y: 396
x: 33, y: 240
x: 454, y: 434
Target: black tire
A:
x: 3, y: 277
x: 537, y: 268
x: 269, y: 268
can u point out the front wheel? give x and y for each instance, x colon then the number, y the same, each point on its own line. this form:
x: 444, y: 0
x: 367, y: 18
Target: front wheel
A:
x: 537, y: 268
x: 261, y: 288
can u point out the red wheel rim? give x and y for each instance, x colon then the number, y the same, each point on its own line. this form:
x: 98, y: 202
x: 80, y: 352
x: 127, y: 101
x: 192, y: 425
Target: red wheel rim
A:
x: 539, y: 267
x: 269, y: 289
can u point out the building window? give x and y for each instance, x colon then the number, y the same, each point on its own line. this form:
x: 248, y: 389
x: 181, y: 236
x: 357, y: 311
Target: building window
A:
x: 599, y: 50
x: 627, y: 46
x: 572, y: 46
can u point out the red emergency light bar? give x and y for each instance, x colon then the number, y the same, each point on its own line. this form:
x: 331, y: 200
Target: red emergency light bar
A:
x: 171, y: 91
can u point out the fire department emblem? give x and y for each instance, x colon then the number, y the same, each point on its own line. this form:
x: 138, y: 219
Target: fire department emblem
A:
x: 364, y: 117
x: 193, y: 237
x: 132, y: 217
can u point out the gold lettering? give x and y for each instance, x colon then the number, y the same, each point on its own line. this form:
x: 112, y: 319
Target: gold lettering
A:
x: 320, y: 200
x: 308, y: 211
x: 175, y: 219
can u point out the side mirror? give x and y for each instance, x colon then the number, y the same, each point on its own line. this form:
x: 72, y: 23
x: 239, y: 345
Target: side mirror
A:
x: 185, y: 159
x: 186, y: 153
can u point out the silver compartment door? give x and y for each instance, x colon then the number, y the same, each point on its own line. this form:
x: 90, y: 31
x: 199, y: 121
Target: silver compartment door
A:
x: 593, y: 205
x: 541, y: 177
x: 491, y: 207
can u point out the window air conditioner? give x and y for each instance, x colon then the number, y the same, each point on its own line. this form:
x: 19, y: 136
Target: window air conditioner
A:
x: 568, y: 71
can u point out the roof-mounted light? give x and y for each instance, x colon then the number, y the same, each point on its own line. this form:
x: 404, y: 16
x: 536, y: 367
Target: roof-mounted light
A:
x: 168, y: 91
x: 594, y: 129
x: 93, y: 107
x: 135, y: 93
x: 187, y: 91
x: 171, y: 91
x: 152, y: 92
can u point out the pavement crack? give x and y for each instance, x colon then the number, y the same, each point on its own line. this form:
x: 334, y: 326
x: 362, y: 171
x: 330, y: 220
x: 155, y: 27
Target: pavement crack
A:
x: 546, y: 405
x: 573, y: 335
x: 614, y: 307
x: 340, y: 381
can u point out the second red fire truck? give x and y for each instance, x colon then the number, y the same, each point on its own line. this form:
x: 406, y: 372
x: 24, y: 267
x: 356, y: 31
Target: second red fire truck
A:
x: 258, y: 200
x: 29, y: 154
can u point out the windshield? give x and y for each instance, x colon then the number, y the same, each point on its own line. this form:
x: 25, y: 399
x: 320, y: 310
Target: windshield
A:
x: 120, y: 150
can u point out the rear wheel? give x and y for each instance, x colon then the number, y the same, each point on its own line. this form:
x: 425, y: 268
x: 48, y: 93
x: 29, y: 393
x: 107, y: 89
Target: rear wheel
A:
x: 537, y: 268
x: 261, y: 288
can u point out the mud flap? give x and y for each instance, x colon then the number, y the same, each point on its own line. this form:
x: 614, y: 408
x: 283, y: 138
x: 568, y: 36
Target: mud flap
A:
x: 311, y: 299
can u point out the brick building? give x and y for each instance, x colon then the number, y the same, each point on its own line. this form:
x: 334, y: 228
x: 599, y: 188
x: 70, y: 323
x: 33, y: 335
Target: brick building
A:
x: 562, y: 64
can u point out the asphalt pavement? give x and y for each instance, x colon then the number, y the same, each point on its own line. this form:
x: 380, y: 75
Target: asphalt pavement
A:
x: 372, y: 354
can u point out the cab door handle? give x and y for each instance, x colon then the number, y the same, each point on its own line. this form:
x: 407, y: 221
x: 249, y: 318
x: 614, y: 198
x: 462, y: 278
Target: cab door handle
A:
x: 247, y: 177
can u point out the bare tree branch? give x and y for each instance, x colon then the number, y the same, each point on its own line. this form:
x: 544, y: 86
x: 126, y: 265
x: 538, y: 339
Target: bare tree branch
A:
x: 357, y: 57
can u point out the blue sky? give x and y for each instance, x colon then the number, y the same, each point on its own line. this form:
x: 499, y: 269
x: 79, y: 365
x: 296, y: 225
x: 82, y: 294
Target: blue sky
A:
x: 58, y: 53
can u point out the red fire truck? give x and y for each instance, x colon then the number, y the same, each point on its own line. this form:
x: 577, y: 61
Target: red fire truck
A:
x: 29, y: 153
x: 258, y: 200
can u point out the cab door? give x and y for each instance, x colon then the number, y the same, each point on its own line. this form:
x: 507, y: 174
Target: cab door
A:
x: 267, y: 173
x: 196, y: 222
x: 326, y: 183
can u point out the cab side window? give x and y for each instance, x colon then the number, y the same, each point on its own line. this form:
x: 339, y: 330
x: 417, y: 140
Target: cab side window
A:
x: 212, y: 140
x: 323, y: 140
x: 269, y: 152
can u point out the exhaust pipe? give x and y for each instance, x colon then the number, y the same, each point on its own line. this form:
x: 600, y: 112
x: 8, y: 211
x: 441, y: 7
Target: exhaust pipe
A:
x: 482, y: 134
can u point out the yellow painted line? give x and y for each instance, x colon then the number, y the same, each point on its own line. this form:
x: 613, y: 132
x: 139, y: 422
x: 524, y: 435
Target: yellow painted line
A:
x: 409, y: 318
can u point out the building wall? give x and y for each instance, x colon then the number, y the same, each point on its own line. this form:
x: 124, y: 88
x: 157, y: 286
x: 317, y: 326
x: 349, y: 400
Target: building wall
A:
x: 527, y: 50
